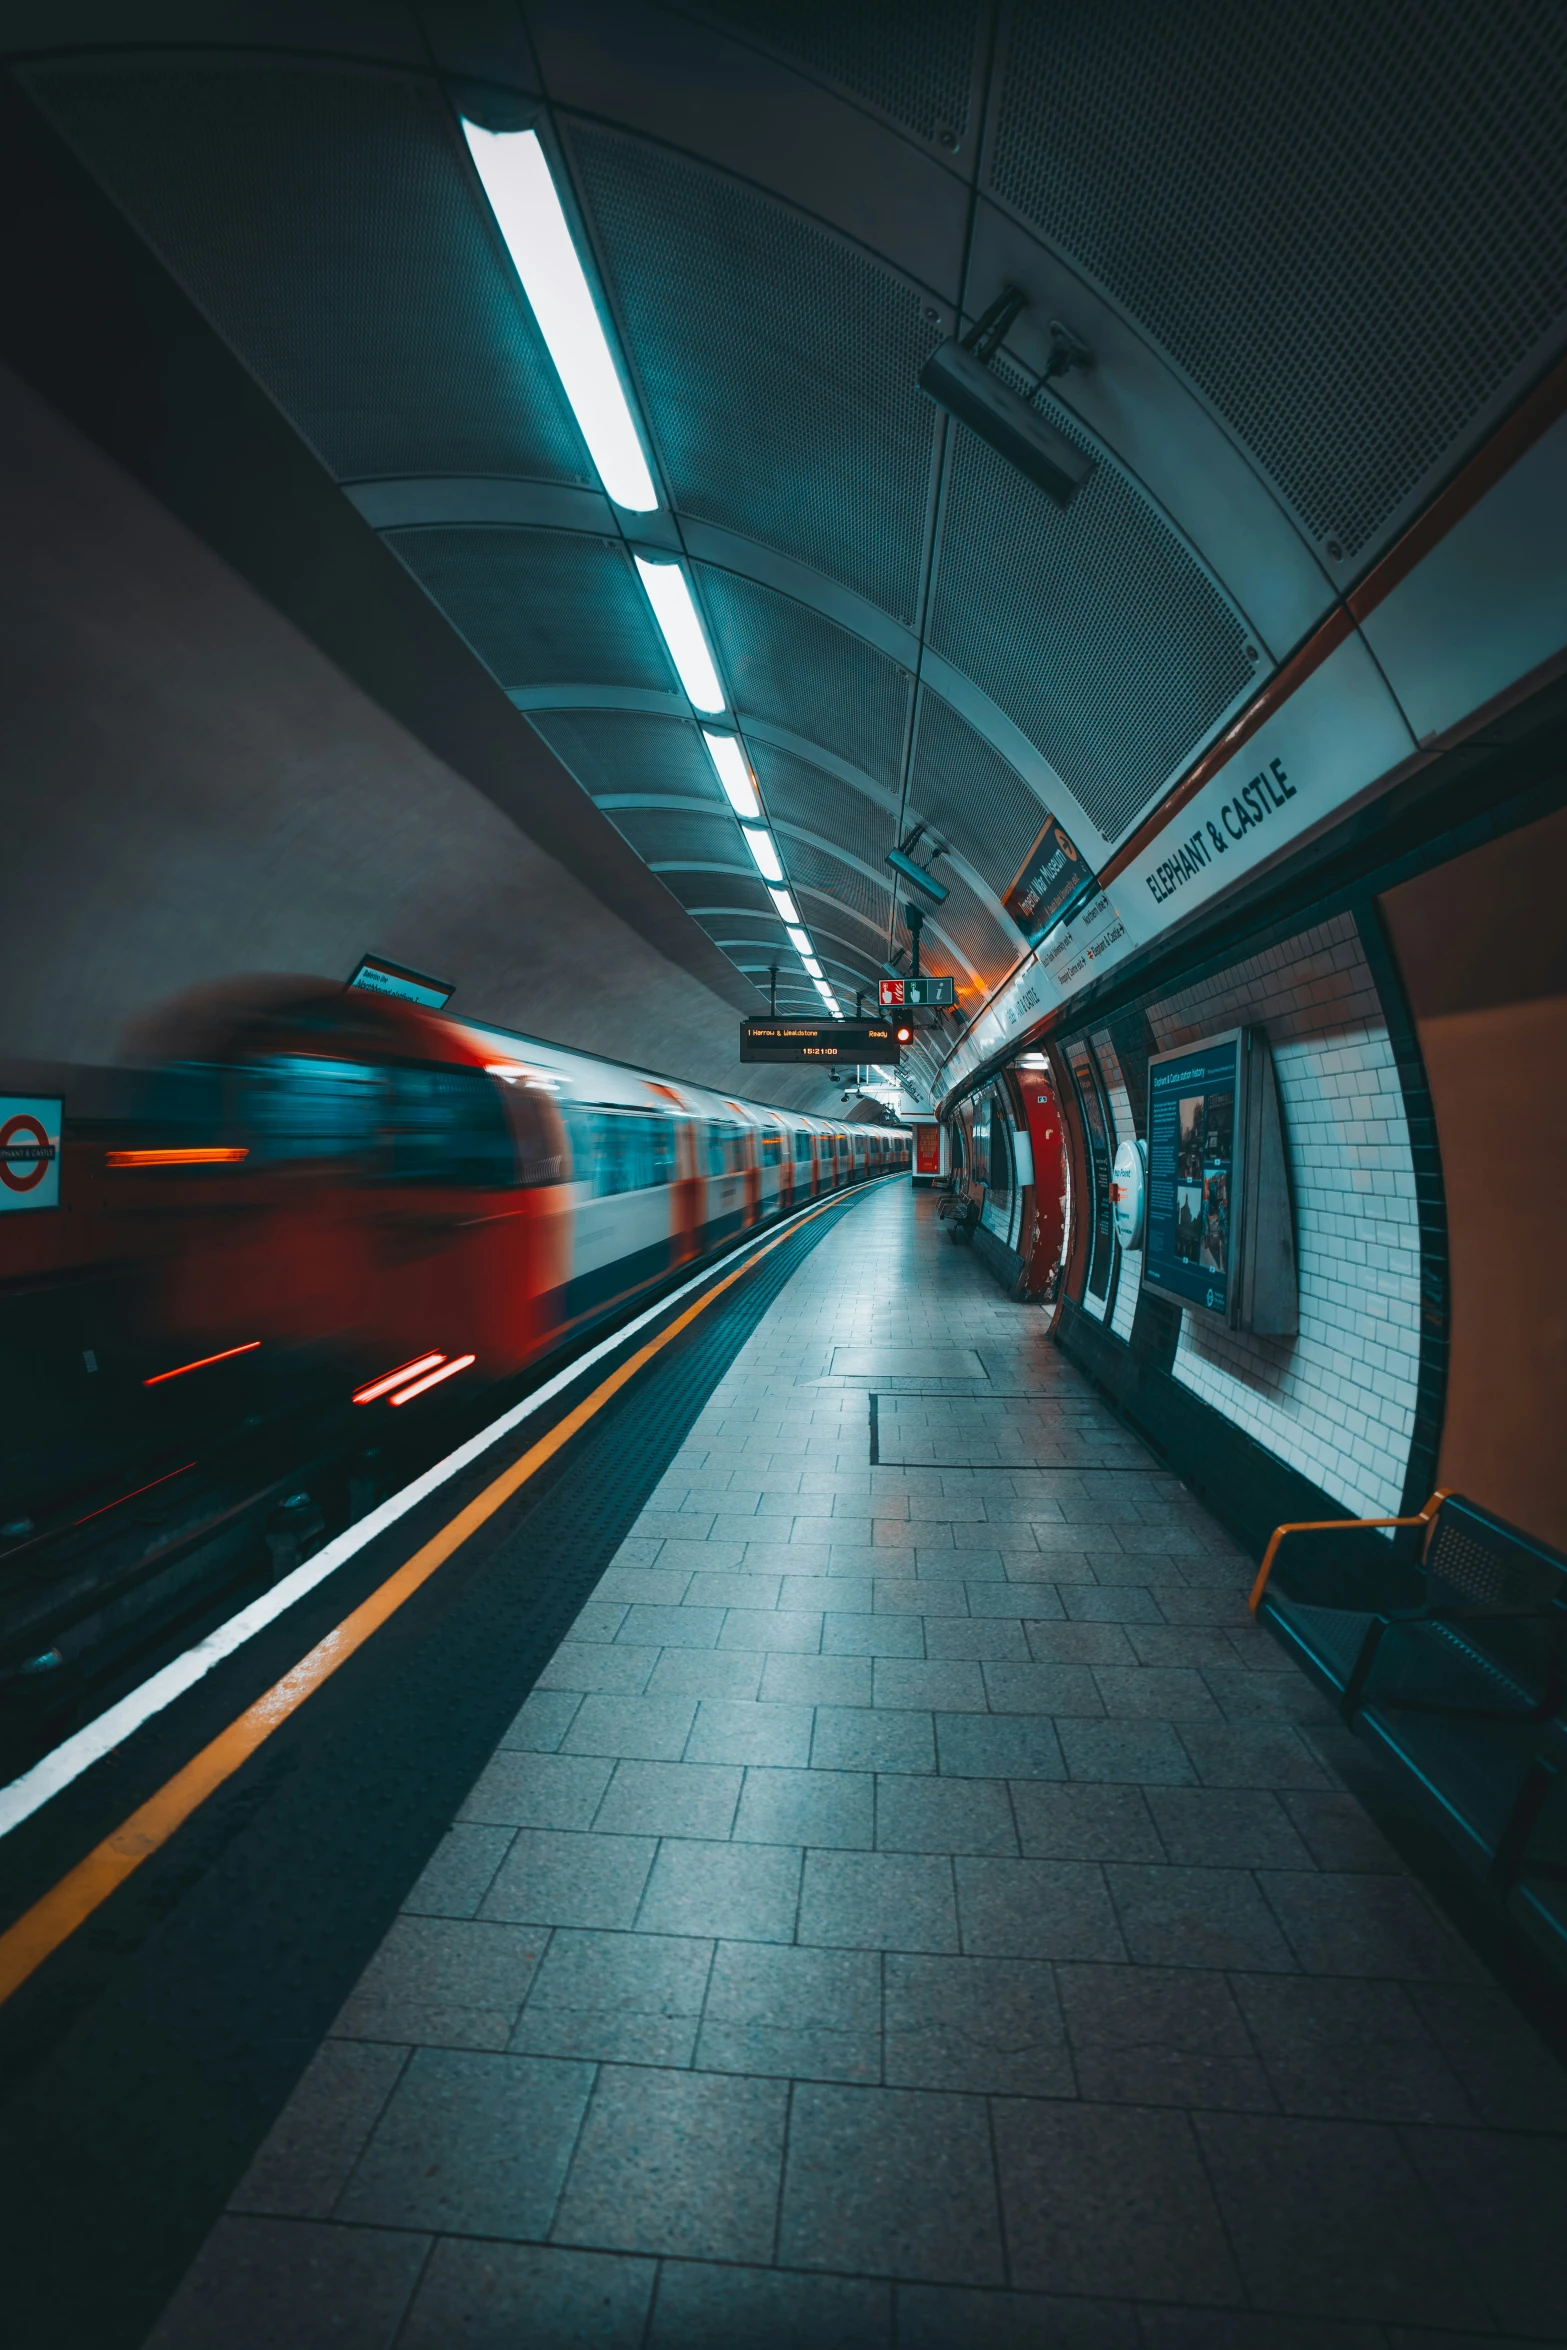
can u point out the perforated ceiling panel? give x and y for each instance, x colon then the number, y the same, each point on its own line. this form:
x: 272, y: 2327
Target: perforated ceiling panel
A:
x: 813, y: 868
x: 777, y: 367
x: 1093, y: 628
x: 915, y: 62
x: 325, y: 221
x: 662, y: 835
x: 969, y: 795
x: 798, y: 793
x: 614, y: 751
x: 541, y: 607
x: 1348, y: 223
x: 786, y: 663
x: 968, y: 922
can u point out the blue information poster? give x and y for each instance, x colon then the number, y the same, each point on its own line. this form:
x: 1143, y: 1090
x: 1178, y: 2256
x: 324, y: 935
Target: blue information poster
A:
x: 1192, y: 1172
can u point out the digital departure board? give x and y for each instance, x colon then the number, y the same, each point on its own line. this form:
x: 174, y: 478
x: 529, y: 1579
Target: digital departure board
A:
x: 856, y: 1043
x: 383, y: 978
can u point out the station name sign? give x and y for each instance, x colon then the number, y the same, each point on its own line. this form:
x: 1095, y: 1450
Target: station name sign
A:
x: 894, y: 994
x: 868, y: 1042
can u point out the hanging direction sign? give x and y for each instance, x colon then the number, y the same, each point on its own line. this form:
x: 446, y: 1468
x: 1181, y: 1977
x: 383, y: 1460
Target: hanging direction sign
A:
x: 383, y: 978
x: 893, y: 994
x: 1053, y: 874
x: 853, y: 1042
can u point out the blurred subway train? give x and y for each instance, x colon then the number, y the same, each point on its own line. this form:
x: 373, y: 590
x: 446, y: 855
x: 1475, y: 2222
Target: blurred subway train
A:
x: 315, y: 1201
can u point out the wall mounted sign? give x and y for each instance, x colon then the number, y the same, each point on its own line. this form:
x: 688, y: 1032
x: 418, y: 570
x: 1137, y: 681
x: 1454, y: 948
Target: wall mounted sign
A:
x: 383, y: 978
x: 853, y: 1042
x: 29, y: 1151
x: 1053, y: 874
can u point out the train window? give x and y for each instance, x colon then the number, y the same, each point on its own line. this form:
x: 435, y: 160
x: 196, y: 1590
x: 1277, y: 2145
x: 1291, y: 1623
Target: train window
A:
x: 803, y: 1145
x: 297, y: 1107
x: 772, y: 1149
x: 725, y: 1149
x: 621, y: 1150
x: 445, y: 1125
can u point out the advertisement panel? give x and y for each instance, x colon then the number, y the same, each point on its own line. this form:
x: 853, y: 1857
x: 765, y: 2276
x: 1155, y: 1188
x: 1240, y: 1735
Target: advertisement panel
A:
x: 1194, y: 1172
x: 1052, y: 875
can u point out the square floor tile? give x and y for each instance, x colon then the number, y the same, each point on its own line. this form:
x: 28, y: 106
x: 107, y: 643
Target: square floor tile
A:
x: 797, y: 1632
x: 731, y: 1730
x: 878, y: 1901
x: 891, y: 2182
x: 874, y: 1635
x: 543, y: 1721
x: 1512, y: 2079
x: 928, y: 1814
x: 1362, y: 1925
x: 1145, y: 1754
x: 616, y: 1999
x: 1085, y: 1821
x: 1265, y: 1754
x: 537, y: 1790
x: 979, y: 2024
x: 1197, y: 1917
x: 707, y: 1672
x: 1104, y: 2200
x: 810, y: 2014
x: 832, y: 1808
x: 645, y: 1728
x: 1160, y: 2036
x: 1226, y: 1827
x: 1073, y: 1643
x: 671, y: 1627
x: 856, y: 1738
x: 484, y: 2295
x: 670, y: 1799
x: 581, y: 1665
x: 748, y: 1892
x: 1042, y: 1689
x: 1036, y: 1909
x: 459, y: 1873
x: 1289, y: 2187
x: 304, y: 2161
x: 1000, y: 1746
x: 556, y: 1878
x: 448, y: 1982
x: 677, y: 2163
x: 256, y: 2283
x: 471, y: 2145
x: 816, y: 1680
x: 950, y: 1688
x: 1341, y: 2048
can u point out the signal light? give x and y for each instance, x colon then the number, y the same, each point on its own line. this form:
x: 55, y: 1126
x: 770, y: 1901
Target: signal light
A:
x: 903, y: 1033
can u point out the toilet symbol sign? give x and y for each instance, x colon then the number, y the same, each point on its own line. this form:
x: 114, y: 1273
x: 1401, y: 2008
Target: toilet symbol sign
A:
x: 29, y: 1152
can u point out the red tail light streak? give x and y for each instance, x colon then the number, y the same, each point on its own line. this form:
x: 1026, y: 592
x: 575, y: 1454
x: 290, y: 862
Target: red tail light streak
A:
x: 249, y: 1348
x: 191, y: 1158
x: 384, y: 1386
x: 434, y: 1378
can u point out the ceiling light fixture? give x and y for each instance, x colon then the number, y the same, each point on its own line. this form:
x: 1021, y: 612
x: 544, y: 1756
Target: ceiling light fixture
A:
x: 788, y: 911
x: 516, y: 177
x: 734, y: 775
x: 761, y: 847
x: 812, y: 966
x: 674, y: 608
x: 800, y: 940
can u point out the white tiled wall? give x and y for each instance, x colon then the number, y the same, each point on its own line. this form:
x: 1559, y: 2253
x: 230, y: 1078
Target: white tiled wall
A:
x: 1129, y: 1271
x: 1336, y: 1402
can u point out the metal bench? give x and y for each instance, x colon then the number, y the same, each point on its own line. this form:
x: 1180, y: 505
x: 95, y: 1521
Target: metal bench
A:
x: 1451, y: 1658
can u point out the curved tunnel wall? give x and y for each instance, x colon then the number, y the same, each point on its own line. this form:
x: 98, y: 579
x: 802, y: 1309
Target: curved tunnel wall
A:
x: 194, y: 790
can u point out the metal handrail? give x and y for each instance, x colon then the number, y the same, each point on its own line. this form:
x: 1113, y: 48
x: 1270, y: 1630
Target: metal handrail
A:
x: 1331, y: 1526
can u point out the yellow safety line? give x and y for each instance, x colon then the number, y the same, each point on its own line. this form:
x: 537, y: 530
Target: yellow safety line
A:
x: 39, y: 1932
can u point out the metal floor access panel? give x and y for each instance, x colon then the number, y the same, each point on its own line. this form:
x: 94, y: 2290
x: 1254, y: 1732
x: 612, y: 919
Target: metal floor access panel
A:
x: 914, y: 1906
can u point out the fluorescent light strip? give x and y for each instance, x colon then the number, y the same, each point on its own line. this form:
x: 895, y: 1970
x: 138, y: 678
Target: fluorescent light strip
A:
x: 800, y: 941
x: 764, y: 852
x: 812, y: 966
x: 785, y: 904
x: 669, y: 593
x: 734, y: 775
x: 77, y: 1754
x: 517, y: 179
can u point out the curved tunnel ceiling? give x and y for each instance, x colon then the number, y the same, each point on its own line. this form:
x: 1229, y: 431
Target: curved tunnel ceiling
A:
x: 1288, y: 239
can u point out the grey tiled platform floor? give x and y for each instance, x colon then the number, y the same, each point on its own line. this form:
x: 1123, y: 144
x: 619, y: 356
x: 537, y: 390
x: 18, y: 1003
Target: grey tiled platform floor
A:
x: 916, y: 1906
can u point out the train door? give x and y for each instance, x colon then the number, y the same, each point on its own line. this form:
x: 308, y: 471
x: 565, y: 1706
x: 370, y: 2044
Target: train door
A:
x: 726, y: 1180
x: 624, y: 1162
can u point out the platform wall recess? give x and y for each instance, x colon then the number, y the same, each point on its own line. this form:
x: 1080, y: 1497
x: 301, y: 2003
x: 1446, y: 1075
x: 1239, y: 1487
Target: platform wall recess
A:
x: 1336, y: 1402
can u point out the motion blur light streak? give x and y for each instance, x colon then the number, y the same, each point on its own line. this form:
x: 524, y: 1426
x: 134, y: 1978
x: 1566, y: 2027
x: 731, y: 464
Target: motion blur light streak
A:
x: 158, y: 1377
x: 447, y: 1371
x: 516, y: 177
x: 669, y: 593
x: 393, y: 1379
x: 213, y: 1157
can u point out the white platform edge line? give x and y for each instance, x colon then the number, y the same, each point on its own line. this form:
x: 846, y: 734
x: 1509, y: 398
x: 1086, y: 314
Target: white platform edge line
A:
x: 77, y: 1754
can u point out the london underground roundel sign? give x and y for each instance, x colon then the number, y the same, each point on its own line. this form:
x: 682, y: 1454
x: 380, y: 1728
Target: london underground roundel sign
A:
x: 29, y: 1152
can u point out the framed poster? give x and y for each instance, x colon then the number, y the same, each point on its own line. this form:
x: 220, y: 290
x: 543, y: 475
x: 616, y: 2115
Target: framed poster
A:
x: 1053, y: 876
x: 1219, y: 1228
